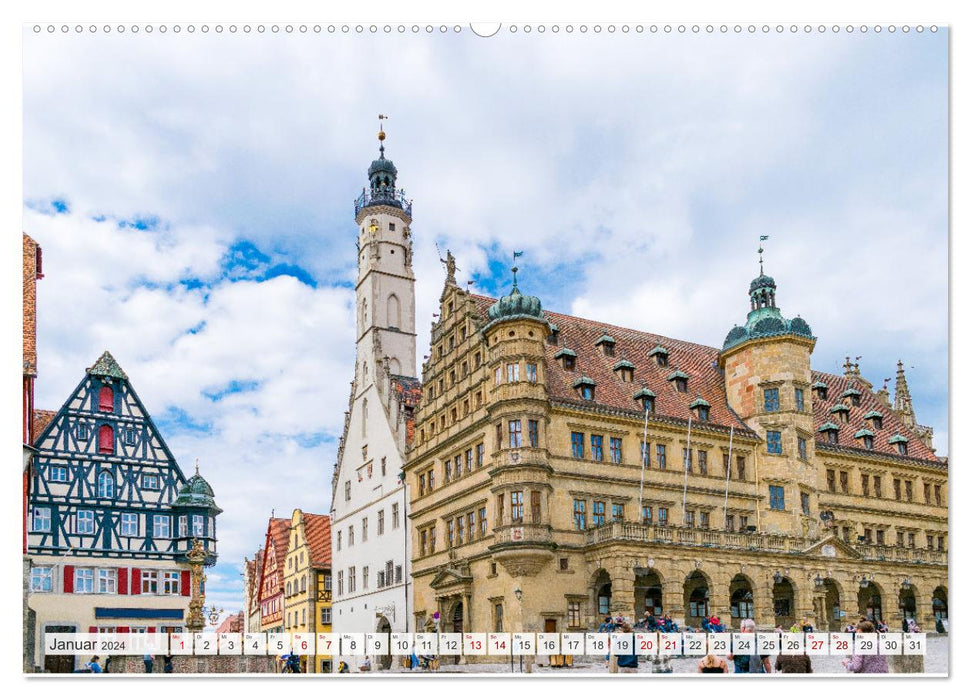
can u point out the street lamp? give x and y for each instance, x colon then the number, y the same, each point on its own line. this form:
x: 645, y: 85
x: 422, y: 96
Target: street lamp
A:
x: 777, y: 577
x: 818, y: 581
x: 907, y: 583
x: 864, y: 583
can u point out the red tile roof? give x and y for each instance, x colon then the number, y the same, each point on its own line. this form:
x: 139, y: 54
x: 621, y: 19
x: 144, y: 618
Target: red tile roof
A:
x: 41, y: 420
x: 836, y: 384
x: 700, y: 363
x: 317, y: 532
x: 408, y: 391
x: 279, y: 533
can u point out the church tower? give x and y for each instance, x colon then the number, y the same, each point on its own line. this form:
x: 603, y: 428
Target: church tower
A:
x: 385, y: 280
x: 369, y: 499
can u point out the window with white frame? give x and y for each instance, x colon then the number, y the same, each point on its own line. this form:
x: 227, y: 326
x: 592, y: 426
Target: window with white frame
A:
x: 84, y: 580
x: 183, y: 525
x: 106, y: 485
x: 107, y: 580
x: 198, y: 525
x: 85, y: 522
x: 41, y: 519
x: 58, y: 474
x: 170, y: 583
x: 129, y: 524
x: 149, y: 481
x: 162, y: 526
x: 42, y: 579
x: 149, y: 581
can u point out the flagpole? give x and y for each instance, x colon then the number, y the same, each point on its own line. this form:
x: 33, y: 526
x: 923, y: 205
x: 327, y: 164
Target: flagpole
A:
x: 644, y: 456
x: 687, y: 462
x: 728, y: 472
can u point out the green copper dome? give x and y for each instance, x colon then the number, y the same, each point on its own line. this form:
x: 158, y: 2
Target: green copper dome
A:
x: 197, y: 493
x: 765, y: 320
x: 382, y: 165
x: 761, y: 282
x: 515, y: 305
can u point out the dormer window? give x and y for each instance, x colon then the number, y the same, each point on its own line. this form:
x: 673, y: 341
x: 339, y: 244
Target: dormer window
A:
x: 866, y: 437
x: 875, y: 419
x: 820, y: 390
x: 567, y: 358
x: 853, y: 394
x: 831, y: 431
x: 842, y: 412
x: 586, y: 388
x: 900, y: 442
x: 660, y: 355
x: 700, y: 408
x: 645, y: 397
x: 606, y: 344
x: 625, y: 370
x: 680, y: 380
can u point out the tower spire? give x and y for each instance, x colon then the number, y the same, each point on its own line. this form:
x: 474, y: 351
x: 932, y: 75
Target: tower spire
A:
x: 761, y: 268
x: 381, y: 134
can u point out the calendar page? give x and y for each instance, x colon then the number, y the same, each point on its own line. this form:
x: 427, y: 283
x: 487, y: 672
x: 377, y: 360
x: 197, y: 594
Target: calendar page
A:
x: 423, y: 347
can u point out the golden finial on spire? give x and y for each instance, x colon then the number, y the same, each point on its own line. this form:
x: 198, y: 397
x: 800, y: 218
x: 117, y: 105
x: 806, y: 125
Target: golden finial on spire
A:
x: 381, y: 134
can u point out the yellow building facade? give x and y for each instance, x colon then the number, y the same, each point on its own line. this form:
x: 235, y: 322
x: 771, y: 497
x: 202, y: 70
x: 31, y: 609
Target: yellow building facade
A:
x: 563, y: 470
x: 307, y: 582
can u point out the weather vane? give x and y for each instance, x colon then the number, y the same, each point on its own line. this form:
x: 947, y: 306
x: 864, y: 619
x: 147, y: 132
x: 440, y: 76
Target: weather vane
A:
x: 515, y: 254
x: 761, y: 238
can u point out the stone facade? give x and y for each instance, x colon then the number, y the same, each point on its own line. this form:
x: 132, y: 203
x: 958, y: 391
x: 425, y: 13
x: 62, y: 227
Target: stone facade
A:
x: 532, y: 508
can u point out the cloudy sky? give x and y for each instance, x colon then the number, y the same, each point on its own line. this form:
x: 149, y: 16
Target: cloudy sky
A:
x: 193, y: 197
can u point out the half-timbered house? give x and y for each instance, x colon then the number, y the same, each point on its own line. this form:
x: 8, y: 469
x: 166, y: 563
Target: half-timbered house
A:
x: 112, y: 516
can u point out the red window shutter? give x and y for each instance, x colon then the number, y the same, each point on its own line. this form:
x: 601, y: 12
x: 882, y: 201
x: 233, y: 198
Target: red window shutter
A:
x: 106, y: 440
x: 186, y: 584
x: 124, y: 630
x: 122, y: 581
x: 151, y: 630
x: 93, y: 629
x: 68, y: 578
x: 136, y: 581
x: 106, y: 399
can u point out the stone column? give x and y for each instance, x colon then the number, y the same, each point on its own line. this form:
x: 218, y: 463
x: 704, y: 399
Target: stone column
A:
x: 621, y: 589
x: 719, y: 598
x: 672, y: 597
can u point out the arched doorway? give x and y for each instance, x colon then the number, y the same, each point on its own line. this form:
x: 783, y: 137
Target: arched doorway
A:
x: 696, y: 593
x: 939, y: 603
x: 871, y: 601
x: 602, y: 594
x: 907, y: 603
x: 833, y: 619
x: 742, y: 599
x: 648, y: 594
x: 384, y: 627
x: 784, y: 603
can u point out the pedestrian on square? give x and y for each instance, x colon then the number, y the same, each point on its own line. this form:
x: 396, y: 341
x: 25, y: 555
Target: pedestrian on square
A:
x: 712, y: 664
x: 750, y: 663
x: 149, y: 662
x: 793, y: 663
x: 167, y: 666
x: 859, y: 663
x: 626, y: 663
x: 93, y: 664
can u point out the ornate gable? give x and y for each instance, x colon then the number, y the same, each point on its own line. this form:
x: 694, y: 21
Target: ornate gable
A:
x: 834, y: 548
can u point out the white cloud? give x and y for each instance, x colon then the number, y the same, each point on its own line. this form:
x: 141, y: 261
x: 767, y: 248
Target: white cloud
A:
x: 645, y: 166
